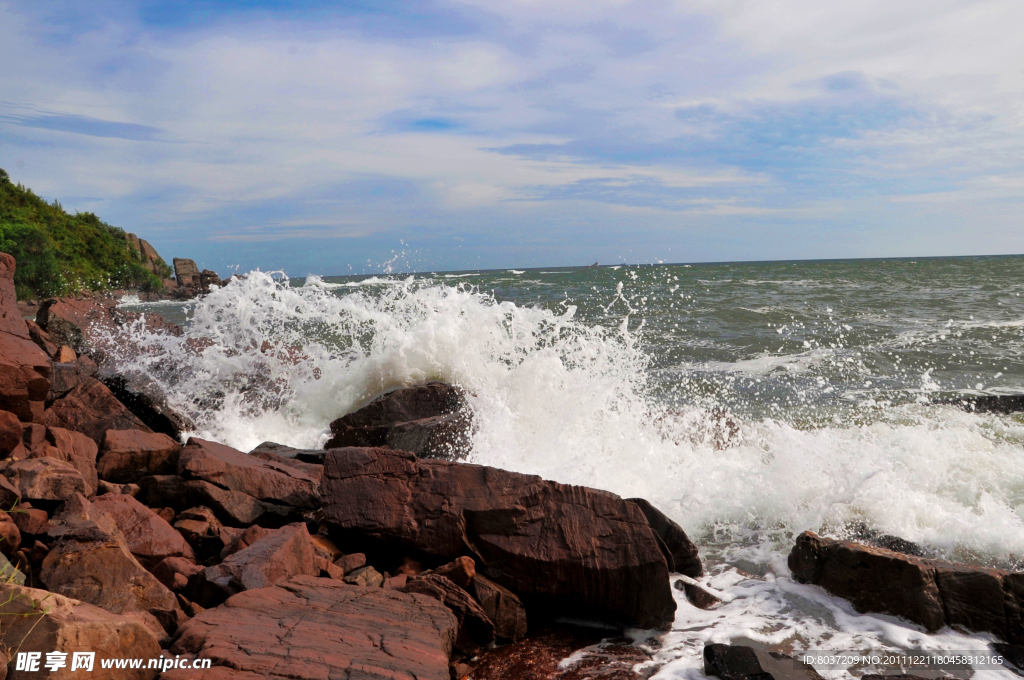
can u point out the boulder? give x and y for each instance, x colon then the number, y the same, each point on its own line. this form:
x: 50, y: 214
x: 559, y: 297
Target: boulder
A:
x: 91, y: 562
x: 244, y: 540
x: 276, y: 557
x: 77, y: 449
x: 10, y: 535
x: 502, y: 607
x: 475, y: 628
x: 313, y: 628
x: 10, y: 433
x: 367, y: 577
x: 91, y: 409
x: 208, y: 278
x: 148, y: 404
x: 129, y: 455
x: 71, y: 626
x: 571, y: 548
x: 231, y: 469
x: 43, y: 479
x: 23, y: 388
x: 10, y: 495
x: 931, y: 593
x: 41, y: 338
x: 432, y: 421
x: 349, y: 563
x: 234, y: 508
x: 149, y: 537
x: 281, y: 453
x: 174, y: 572
x: 737, y: 662
x: 186, y: 272
x: 680, y: 548
x: 696, y: 594
x: 31, y: 521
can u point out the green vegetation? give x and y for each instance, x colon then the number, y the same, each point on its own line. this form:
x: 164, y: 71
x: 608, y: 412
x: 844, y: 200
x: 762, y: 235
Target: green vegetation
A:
x: 59, y: 253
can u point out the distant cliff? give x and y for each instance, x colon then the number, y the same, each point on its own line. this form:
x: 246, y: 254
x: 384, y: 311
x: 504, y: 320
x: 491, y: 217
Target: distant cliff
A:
x: 59, y: 253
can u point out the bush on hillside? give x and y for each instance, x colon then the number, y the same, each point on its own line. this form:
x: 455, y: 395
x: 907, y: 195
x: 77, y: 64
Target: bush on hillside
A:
x: 59, y: 253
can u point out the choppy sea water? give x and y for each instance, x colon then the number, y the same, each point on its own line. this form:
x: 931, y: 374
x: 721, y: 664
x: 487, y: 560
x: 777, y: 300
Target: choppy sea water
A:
x: 749, y: 401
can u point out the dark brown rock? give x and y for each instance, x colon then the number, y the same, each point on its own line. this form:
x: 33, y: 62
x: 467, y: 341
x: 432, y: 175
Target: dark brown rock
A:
x: 931, y: 593
x: 461, y: 571
x: 582, y: 550
x: 233, y: 470
x: 129, y: 455
x: 149, y: 538
x: 282, y: 554
x: 696, y: 594
x: 244, y: 540
x: 431, y: 420
x: 72, y: 626
x: 186, y: 272
x: 475, y: 628
x: 66, y: 377
x: 10, y: 495
x: 74, y: 322
x: 232, y: 507
x: 148, y: 404
x: 77, y: 449
x: 24, y: 367
x: 303, y: 627
x: 562, y: 654
x: 682, y: 550
x: 91, y: 409
x: 502, y: 607
x: 736, y: 662
x: 41, y: 338
x: 47, y: 479
x: 10, y: 535
x: 31, y: 521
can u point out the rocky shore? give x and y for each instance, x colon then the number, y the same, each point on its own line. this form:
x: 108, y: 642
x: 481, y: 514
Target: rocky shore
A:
x: 382, y: 556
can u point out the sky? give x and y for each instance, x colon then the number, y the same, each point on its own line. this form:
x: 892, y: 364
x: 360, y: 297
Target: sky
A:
x: 349, y: 137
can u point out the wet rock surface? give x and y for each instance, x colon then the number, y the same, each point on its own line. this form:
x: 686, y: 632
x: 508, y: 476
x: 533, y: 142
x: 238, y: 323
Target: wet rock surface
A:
x: 738, y: 662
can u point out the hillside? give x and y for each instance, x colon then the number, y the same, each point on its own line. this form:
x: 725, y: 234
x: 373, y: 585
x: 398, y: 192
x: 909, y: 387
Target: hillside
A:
x: 59, y: 253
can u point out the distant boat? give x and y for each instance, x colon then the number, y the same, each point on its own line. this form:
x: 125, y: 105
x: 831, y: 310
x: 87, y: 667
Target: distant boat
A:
x: 592, y: 266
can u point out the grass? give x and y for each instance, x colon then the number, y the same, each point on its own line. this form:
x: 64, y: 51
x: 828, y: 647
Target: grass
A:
x: 60, y: 254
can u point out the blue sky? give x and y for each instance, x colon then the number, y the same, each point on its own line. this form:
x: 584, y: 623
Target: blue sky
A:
x: 330, y: 138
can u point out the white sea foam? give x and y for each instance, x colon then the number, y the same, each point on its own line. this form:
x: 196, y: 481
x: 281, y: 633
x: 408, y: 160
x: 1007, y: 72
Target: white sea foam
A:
x: 556, y: 397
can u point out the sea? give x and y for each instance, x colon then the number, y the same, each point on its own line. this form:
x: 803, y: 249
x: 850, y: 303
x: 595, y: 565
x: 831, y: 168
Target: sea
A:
x: 750, y: 401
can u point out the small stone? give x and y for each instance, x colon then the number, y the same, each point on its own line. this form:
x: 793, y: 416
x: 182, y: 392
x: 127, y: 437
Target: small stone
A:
x: 365, y: 576
x: 696, y: 594
x: 349, y: 563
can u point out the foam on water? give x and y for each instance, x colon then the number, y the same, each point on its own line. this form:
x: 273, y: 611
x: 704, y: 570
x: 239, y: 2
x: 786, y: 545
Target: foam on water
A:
x: 571, y: 401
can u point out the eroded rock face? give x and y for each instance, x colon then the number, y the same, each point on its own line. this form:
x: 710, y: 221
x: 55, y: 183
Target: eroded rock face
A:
x: 130, y: 455
x: 91, y: 409
x: 590, y: 551
x: 432, y: 421
x: 304, y: 626
x: 73, y: 626
x: 928, y: 592
x: 231, y: 469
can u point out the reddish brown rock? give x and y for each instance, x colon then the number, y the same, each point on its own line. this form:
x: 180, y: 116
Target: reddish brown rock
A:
x: 10, y: 432
x: 75, y: 322
x: 231, y: 507
x: 276, y: 557
x: 91, y: 562
x: 431, y: 420
x: 41, y: 338
x: 682, y: 552
x: 129, y: 455
x: 306, y: 627
x: 46, y: 479
x: 23, y: 388
x: 174, y: 572
x: 77, y: 449
x: 72, y: 626
x: 247, y: 538
x: 461, y: 571
x: 31, y: 521
x: 149, y: 538
x: 928, y: 592
x: 475, y: 628
x: 349, y: 563
x: 576, y: 549
x: 91, y: 409
x: 233, y: 470
x: 502, y: 607
x: 10, y: 496
x: 10, y: 535
x: 66, y: 377
x: 563, y: 654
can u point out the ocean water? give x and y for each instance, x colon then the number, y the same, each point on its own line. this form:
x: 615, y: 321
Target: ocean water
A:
x: 749, y: 401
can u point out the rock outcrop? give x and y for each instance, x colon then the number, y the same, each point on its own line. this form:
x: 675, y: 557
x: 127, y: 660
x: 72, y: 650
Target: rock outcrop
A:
x: 431, y: 420
x: 589, y: 551
x: 304, y: 626
x: 928, y: 592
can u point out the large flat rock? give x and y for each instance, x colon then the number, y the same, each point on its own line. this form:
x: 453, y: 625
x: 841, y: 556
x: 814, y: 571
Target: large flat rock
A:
x: 316, y: 628
x: 569, y: 546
